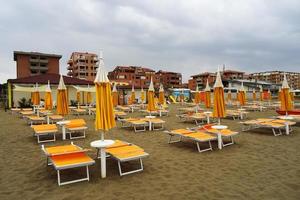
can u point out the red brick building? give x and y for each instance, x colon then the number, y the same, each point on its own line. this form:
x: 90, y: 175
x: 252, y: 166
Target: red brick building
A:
x: 169, y: 79
x: 36, y: 63
x: 83, y: 65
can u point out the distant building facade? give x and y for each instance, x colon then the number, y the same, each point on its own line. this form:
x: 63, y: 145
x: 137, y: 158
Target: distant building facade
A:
x: 201, y: 79
x: 36, y: 63
x: 169, y: 79
x: 277, y: 77
x: 83, y: 65
x: 140, y: 77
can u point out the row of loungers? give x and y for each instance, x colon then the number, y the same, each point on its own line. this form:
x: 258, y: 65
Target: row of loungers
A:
x: 203, y: 134
x: 74, y: 126
x: 72, y: 156
x: 276, y: 125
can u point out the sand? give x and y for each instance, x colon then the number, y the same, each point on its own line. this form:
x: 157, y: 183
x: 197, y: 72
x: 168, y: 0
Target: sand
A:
x: 258, y: 166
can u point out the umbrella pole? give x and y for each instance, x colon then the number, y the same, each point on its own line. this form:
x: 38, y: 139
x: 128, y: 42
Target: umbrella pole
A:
x: 219, y: 121
x: 102, y: 136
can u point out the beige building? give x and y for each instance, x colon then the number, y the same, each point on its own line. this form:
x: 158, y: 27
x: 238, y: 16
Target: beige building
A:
x: 83, y: 65
x: 277, y: 77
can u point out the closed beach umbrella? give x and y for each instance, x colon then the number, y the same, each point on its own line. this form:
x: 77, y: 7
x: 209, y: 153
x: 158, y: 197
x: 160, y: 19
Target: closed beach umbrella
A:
x: 197, y: 96
x: 279, y: 95
x: 254, y: 95
x: 105, y: 119
x: 286, y: 103
x: 229, y: 97
x: 151, y: 104
x: 89, y: 96
x: 36, y: 95
x: 292, y: 95
x: 48, y: 98
x: 142, y: 95
x: 207, y: 95
x: 132, y: 97
x: 242, y: 95
x: 261, y: 93
x: 269, y: 95
x: 219, y: 102
x: 161, y: 97
x: 181, y: 97
x: 115, y: 95
x: 78, y: 96
x: 62, y: 98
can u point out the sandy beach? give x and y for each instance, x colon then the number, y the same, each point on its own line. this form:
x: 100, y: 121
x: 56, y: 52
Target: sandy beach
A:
x: 258, y: 166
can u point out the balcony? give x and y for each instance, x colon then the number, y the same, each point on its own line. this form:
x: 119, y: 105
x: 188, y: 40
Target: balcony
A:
x: 44, y: 61
x: 33, y: 60
x: 70, y: 73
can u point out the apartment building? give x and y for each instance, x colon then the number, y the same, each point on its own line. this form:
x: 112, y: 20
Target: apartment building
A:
x: 83, y: 65
x: 140, y: 77
x: 36, y: 63
x: 277, y: 77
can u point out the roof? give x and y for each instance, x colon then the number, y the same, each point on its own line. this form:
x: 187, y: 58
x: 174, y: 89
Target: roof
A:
x: 53, y: 78
x: 35, y: 54
x: 205, y: 74
x: 232, y: 71
x: 167, y: 72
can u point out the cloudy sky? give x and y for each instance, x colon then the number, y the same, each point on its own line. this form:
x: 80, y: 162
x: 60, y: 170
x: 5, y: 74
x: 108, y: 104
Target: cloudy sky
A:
x: 178, y: 35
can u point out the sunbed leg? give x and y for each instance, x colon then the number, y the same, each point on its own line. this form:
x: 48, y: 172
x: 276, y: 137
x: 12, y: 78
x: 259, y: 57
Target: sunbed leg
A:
x: 133, y: 171
x: 87, y: 173
x: 207, y: 149
x: 58, y: 177
x: 229, y: 143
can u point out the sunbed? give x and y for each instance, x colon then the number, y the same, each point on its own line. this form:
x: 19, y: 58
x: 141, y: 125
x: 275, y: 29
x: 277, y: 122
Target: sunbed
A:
x: 195, y: 117
x: 27, y: 113
x: 276, y: 125
x: 75, y: 126
x: 45, y: 130
x: 225, y: 133
x: 55, y: 118
x: 79, y: 111
x: 33, y: 119
x: 196, y: 136
x: 68, y: 157
x: 155, y: 123
x: 137, y: 124
x: 124, y: 152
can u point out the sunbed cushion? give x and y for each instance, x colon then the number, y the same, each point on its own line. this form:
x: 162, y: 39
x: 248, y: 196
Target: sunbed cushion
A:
x: 182, y: 131
x: 61, y: 149
x: 44, y: 127
x: 71, y: 159
x: 202, y: 136
x: 75, y: 123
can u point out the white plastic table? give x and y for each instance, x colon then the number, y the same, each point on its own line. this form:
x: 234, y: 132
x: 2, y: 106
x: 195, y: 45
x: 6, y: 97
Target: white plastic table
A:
x: 207, y: 113
x: 63, y: 127
x: 102, y: 144
x: 287, y: 128
x: 150, y: 122
x: 219, y: 128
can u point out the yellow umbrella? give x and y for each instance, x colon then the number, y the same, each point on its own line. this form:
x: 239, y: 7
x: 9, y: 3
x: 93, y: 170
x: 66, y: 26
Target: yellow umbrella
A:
x: 150, y: 97
x: 36, y: 95
x: 241, y: 95
x: 207, y: 95
x: 115, y: 95
x: 292, y: 95
x: 89, y: 96
x: 142, y: 95
x: 286, y: 103
x: 197, y: 96
x: 161, y: 97
x: 132, y: 97
x: 48, y: 98
x: 279, y: 95
x: 105, y: 117
x: 254, y: 95
x: 229, y: 97
x: 261, y: 93
x: 219, y: 102
x: 62, y: 98
x: 78, y: 96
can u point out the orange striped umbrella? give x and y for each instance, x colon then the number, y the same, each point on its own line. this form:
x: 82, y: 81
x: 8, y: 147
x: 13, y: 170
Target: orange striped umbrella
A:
x: 261, y: 94
x: 161, y: 96
x: 132, y: 97
x: 48, y: 98
x: 151, y: 104
x: 229, y: 97
x: 115, y: 95
x: 242, y: 95
x: 142, y: 95
x: 62, y: 98
x: 254, y: 95
x: 219, y: 101
x: 207, y: 95
x: 197, y: 96
x: 36, y: 95
x: 286, y: 103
